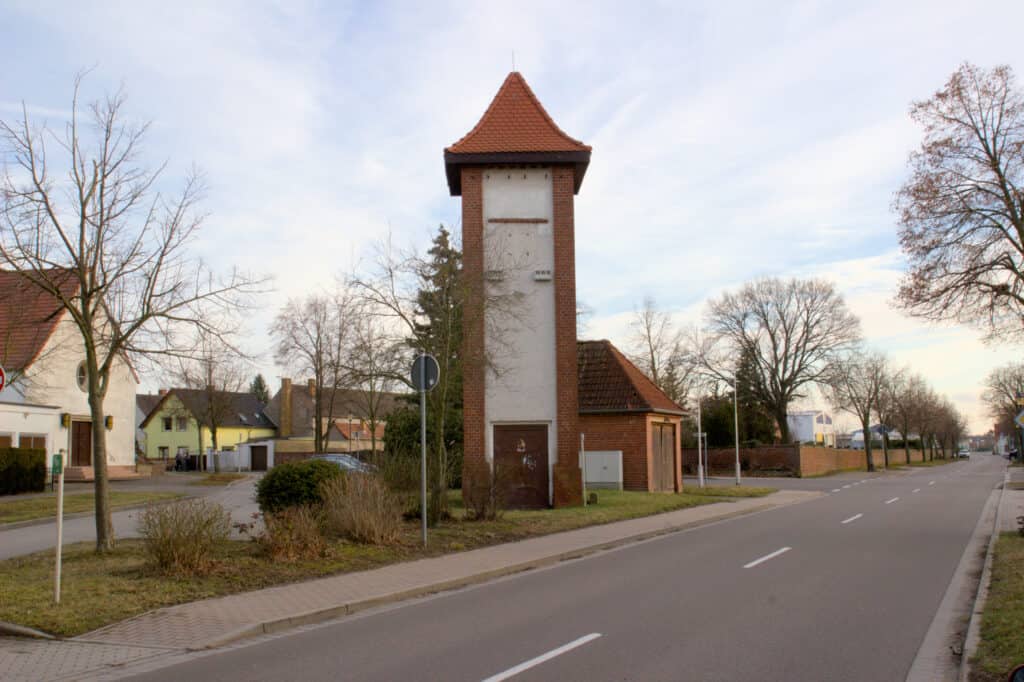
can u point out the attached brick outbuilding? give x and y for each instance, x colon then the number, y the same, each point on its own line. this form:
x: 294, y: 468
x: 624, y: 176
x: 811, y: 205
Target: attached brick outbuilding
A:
x: 621, y: 409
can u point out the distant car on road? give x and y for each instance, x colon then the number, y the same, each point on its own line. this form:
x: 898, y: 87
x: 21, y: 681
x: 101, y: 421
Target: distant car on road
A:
x: 963, y: 453
x: 347, y: 463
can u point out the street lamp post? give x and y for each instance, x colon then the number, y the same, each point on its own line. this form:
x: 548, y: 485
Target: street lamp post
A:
x: 736, y: 424
x: 700, y: 458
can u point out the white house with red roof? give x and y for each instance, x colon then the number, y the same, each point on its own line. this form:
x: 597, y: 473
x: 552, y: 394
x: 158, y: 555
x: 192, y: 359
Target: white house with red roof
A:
x: 45, y: 403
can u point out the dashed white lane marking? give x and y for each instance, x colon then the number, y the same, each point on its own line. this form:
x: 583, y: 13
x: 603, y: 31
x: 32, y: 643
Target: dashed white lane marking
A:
x: 526, y: 665
x: 845, y: 486
x: 931, y: 482
x: 853, y: 518
x: 892, y: 500
x: 916, y: 490
x: 766, y: 557
x: 835, y: 490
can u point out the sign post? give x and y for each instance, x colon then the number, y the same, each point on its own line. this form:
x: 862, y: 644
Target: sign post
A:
x: 58, y: 470
x: 425, y: 373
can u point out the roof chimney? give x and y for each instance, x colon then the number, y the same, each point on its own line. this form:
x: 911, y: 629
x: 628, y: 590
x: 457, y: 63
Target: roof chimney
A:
x: 312, y: 388
x: 284, y: 428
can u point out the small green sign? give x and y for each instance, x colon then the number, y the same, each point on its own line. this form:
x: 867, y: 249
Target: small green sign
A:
x: 58, y: 464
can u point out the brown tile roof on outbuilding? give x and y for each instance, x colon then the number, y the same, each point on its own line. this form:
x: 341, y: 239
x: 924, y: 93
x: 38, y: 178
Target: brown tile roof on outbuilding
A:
x: 609, y: 382
x: 28, y: 315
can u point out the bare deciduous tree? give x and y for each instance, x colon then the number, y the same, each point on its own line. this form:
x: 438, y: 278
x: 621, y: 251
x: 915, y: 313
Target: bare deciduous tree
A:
x: 374, y: 362
x: 855, y: 384
x: 658, y: 350
x: 961, y: 212
x: 1002, y: 386
x: 312, y: 337
x: 791, y: 331
x: 102, y: 221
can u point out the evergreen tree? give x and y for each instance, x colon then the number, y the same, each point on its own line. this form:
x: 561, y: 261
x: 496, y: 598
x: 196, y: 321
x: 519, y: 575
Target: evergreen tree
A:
x: 258, y: 388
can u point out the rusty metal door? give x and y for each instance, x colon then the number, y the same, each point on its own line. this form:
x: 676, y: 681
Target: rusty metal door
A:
x: 663, y: 457
x: 81, y: 444
x: 521, y: 465
x: 258, y: 454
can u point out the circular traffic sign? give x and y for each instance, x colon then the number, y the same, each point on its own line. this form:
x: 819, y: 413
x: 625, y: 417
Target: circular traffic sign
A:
x: 425, y: 372
x: 3, y: 378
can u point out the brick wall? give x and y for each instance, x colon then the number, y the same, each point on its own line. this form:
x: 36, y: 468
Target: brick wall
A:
x: 628, y: 433
x: 568, y: 484
x: 780, y: 459
x: 474, y: 462
x: 815, y: 461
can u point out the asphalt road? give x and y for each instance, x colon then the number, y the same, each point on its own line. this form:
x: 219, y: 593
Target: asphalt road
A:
x: 840, y: 588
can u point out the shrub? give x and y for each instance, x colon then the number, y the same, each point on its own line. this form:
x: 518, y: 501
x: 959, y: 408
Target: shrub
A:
x: 292, y: 533
x: 485, y: 499
x: 294, y: 484
x: 22, y: 470
x: 360, y: 507
x: 180, y: 537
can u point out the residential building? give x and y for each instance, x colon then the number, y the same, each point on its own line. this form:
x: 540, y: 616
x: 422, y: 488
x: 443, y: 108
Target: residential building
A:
x: 45, y: 403
x: 144, y: 404
x: 292, y: 411
x: 812, y: 426
x: 181, y: 423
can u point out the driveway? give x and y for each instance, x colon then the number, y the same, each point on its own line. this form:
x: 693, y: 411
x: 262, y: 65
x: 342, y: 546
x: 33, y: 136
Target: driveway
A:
x: 239, y: 499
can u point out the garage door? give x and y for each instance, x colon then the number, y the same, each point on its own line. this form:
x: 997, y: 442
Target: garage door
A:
x: 521, y: 464
x: 259, y: 457
x: 663, y: 439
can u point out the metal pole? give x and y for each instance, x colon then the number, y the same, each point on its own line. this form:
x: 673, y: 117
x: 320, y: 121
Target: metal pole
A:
x: 700, y: 460
x: 583, y: 467
x: 60, y: 529
x: 423, y: 445
x: 736, y: 424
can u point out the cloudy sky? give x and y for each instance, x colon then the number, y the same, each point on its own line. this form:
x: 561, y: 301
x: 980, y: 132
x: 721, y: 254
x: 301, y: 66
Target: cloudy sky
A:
x: 731, y: 139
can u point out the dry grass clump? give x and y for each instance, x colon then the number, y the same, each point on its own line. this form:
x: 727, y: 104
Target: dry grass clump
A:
x: 179, y: 538
x: 292, y: 533
x: 362, y: 508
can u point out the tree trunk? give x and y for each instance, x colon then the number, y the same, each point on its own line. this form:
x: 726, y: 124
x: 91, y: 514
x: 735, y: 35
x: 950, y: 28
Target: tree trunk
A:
x: 906, y: 441
x: 867, y: 445
x: 216, y: 448
x: 101, y: 483
x: 783, y: 424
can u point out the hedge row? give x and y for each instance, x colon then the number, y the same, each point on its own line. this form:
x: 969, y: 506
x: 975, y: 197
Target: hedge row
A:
x: 22, y: 470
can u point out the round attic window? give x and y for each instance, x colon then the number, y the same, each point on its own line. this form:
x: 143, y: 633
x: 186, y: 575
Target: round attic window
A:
x: 81, y: 377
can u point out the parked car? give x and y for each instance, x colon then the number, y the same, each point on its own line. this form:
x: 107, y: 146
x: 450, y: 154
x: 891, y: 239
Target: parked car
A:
x: 347, y: 462
x: 963, y: 453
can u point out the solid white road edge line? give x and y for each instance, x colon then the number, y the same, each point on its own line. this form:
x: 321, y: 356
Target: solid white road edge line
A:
x: 892, y: 500
x: 853, y: 518
x: 526, y: 665
x: 766, y: 557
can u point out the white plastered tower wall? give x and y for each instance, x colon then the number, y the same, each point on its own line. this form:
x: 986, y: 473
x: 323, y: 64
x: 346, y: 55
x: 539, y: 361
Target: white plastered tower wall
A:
x: 521, y: 386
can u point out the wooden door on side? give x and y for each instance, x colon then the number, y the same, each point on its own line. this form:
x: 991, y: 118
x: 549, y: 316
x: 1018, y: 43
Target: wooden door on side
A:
x: 663, y: 457
x: 258, y: 453
x: 521, y: 465
x: 81, y: 444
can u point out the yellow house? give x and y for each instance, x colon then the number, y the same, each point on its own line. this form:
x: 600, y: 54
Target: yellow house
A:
x: 193, y: 420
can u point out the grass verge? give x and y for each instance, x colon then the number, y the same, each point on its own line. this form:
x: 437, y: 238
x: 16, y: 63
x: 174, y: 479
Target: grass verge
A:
x: 222, y: 478
x: 102, y: 589
x: 1002, y: 623
x: 932, y: 463
x: 27, y: 509
x: 728, y: 491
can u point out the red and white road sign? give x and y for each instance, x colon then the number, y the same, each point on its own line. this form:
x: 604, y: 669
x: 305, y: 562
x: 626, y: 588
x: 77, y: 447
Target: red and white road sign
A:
x: 3, y: 379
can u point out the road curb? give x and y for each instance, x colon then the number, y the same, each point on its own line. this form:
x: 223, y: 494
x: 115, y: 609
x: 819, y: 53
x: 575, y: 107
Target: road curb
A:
x: 320, y: 615
x: 974, y: 624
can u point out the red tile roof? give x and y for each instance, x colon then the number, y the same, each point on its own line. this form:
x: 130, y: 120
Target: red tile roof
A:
x: 28, y: 316
x: 609, y: 382
x: 516, y: 122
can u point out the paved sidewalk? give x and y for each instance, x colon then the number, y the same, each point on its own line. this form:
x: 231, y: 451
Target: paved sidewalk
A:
x: 214, y: 622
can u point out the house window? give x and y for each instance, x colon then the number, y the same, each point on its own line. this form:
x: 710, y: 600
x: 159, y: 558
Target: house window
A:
x: 167, y: 423
x: 183, y: 450
x: 163, y: 450
x: 35, y: 441
x: 81, y: 377
x: 183, y: 423
x: 5, y: 440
